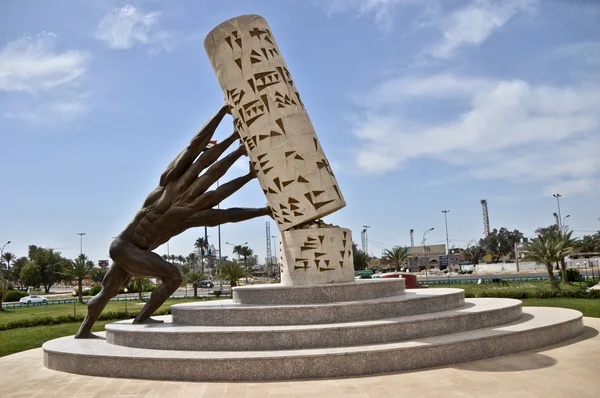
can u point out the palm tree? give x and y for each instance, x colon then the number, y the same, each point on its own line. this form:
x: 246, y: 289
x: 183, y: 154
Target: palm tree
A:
x: 201, y: 244
x: 244, y: 251
x: 396, y: 256
x: 78, y: 269
x: 549, y: 248
x: 4, y: 285
x: 7, y: 258
x: 232, y: 272
x: 194, y: 277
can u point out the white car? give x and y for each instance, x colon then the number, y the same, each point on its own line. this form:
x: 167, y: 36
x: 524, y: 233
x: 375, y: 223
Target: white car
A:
x: 33, y: 299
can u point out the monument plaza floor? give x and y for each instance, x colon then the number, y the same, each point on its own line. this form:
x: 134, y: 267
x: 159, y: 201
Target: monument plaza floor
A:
x: 568, y: 369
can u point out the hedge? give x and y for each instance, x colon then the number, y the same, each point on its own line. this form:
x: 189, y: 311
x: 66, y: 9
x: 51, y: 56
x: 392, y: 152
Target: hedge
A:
x: 15, y: 295
x: 520, y: 294
x: 57, y: 320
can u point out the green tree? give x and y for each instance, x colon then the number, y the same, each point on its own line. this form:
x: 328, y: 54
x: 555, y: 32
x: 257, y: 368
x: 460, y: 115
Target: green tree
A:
x: 395, y: 257
x: 590, y: 243
x: 30, y: 275
x: 15, y: 270
x: 475, y: 252
x: 549, y: 248
x: 138, y: 285
x: 232, y: 272
x: 50, y: 263
x: 360, y: 258
x: 500, y: 243
x: 78, y: 269
x: 201, y: 245
x: 4, y: 287
x: 97, y: 274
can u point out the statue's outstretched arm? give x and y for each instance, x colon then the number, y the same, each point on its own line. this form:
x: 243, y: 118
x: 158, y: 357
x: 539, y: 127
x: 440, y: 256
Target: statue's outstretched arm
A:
x: 212, y: 198
x: 214, y: 217
x: 185, y: 159
x: 207, y: 158
x: 214, y: 172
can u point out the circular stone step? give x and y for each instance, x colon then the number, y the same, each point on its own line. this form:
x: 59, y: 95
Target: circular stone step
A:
x: 474, y: 314
x: 278, y: 294
x: 539, y: 327
x: 227, y: 313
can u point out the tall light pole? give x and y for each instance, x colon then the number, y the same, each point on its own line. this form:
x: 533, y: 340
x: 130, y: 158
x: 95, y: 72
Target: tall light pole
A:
x: 557, y: 196
x: 276, y: 252
x: 366, y: 239
x: 426, y: 265
x: 81, y: 242
x: 447, y: 240
x: 2, y: 252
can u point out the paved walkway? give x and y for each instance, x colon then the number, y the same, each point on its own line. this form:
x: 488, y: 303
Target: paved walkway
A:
x: 571, y: 369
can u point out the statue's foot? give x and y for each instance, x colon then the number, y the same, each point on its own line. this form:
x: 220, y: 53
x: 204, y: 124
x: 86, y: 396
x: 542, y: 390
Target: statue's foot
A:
x: 148, y: 321
x: 86, y: 335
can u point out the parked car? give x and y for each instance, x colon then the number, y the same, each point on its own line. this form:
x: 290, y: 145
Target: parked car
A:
x: 206, y: 284
x: 33, y: 299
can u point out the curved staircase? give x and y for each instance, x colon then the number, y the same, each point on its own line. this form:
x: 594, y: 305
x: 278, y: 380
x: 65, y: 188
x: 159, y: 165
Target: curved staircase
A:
x: 315, y: 335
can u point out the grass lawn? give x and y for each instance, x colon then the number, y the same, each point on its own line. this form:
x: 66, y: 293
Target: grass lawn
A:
x: 17, y: 340
x: 588, y: 307
x: 16, y: 314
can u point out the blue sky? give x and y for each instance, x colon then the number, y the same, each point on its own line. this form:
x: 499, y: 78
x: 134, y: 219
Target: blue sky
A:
x: 420, y: 106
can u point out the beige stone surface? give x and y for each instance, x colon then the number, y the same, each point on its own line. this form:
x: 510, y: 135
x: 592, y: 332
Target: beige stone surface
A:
x: 272, y: 121
x: 566, y: 370
x: 316, y: 256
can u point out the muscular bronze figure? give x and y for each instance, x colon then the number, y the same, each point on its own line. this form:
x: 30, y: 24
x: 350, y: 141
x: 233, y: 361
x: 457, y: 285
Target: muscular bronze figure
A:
x: 181, y: 201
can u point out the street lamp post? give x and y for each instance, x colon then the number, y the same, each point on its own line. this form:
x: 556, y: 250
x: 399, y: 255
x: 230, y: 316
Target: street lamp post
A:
x: 557, y: 196
x: 564, y: 219
x: 426, y: 265
x: 2, y: 251
x: 81, y: 242
x: 447, y: 240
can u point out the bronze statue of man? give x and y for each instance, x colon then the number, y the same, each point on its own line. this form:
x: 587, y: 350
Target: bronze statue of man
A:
x: 181, y: 201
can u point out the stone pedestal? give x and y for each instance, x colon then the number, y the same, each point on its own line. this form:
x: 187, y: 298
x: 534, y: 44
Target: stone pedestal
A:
x: 316, y: 256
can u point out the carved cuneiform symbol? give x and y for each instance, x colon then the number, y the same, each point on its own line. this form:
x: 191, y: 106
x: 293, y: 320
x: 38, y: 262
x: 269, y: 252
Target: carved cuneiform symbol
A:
x: 285, y: 75
x: 283, y: 100
x: 302, y: 179
x: 234, y: 37
x: 262, y: 35
x: 337, y: 191
x: 235, y: 96
x: 266, y: 79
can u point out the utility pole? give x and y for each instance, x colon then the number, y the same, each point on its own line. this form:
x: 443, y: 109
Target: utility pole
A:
x: 276, y: 256
x: 81, y: 242
x: 219, y: 230
x: 427, y: 260
x: 447, y: 240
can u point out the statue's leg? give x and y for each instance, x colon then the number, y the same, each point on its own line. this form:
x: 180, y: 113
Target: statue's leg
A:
x: 145, y: 263
x: 116, y: 277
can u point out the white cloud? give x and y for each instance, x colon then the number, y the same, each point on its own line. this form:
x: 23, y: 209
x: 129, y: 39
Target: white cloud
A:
x: 381, y: 10
x: 43, y: 84
x: 126, y: 27
x: 474, y: 23
x: 512, y: 130
x: 469, y: 24
x: 31, y: 64
x: 54, y: 113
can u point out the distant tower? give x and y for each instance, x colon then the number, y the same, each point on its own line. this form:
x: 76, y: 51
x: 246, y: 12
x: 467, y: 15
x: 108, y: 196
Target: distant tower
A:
x: 269, y: 255
x: 412, y: 238
x: 486, y: 217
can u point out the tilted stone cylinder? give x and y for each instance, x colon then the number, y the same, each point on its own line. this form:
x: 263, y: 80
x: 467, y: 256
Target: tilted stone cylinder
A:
x: 316, y: 256
x: 272, y: 122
